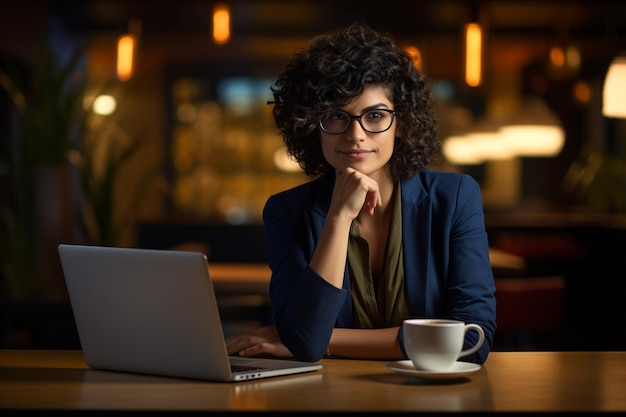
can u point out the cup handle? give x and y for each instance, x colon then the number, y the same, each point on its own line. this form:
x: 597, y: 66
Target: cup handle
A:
x: 481, y: 339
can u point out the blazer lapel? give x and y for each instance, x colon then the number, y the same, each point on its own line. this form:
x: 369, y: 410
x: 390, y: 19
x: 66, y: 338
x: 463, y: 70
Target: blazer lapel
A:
x: 416, y: 231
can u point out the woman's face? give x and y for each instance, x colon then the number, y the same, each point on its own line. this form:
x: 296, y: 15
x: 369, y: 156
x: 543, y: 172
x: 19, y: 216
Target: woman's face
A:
x: 366, y: 152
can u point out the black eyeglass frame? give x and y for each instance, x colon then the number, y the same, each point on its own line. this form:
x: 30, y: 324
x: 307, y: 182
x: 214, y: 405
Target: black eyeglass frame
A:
x: 351, y: 118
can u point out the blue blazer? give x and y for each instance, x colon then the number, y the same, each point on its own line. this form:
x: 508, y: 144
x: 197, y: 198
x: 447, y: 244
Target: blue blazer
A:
x: 446, y: 261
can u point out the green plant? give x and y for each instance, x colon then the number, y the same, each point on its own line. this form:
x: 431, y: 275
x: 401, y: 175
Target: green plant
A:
x: 598, y: 178
x: 50, y: 119
x: 55, y: 129
x: 104, y: 209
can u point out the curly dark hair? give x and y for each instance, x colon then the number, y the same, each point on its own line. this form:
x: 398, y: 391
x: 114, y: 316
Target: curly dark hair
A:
x: 335, y: 68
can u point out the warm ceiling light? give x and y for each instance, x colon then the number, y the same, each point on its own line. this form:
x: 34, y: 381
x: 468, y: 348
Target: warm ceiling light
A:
x: 481, y: 143
x: 534, y: 140
x: 459, y: 150
x: 416, y: 55
x: 582, y: 92
x: 125, y: 56
x: 557, y: 57
x: 104, y: 105
x: 490, y: 146
x: 614, y: 92
x: 564, y: 60
x: 535, y: 131
x: 221, y: 24
x: 572, y: 57
x: 473, y: 54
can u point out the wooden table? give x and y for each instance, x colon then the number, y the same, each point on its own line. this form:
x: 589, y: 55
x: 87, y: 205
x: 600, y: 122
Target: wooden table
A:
x: 240, y: 278
x: 45, y: 380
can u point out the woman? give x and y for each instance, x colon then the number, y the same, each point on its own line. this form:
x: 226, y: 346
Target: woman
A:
x: 375, y: 237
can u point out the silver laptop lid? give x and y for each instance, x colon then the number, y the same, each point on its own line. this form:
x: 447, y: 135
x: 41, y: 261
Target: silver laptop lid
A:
x: 150, y: 311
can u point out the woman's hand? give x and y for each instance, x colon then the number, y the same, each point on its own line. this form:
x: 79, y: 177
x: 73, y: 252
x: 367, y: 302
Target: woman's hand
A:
x: 353, y: 192
x: 260, y: 341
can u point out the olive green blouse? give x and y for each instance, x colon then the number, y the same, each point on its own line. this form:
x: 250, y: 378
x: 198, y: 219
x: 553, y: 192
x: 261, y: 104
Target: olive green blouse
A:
x: 383, y: 303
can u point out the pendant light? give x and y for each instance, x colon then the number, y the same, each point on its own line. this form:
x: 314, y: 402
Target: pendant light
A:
x: 535, y: 131
x: 614, y: 91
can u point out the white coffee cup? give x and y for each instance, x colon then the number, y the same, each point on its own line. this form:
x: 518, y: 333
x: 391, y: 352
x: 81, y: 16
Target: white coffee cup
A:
x: 436, y: 344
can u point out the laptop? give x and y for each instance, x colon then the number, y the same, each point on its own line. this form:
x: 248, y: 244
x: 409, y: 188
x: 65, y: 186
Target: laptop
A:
x: 155, y: 312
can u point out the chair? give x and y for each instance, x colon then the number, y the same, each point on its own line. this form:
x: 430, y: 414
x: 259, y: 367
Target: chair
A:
x: 529, y: 311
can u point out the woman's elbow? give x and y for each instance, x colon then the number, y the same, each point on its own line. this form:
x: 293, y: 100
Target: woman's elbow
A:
x: 306, y: 352
x: 303, y: 346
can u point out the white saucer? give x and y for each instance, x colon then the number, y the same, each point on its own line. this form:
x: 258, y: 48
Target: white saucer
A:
x: 457, y: 370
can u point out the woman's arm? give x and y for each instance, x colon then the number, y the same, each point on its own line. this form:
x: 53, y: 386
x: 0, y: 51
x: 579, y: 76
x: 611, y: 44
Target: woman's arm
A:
x: 349, y: 343
x: 352, y: 192
x: 366, y: 343
x: 308, y: 255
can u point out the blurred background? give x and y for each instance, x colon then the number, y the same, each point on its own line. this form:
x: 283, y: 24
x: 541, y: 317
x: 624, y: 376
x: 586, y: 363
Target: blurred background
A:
x: 145, y: 124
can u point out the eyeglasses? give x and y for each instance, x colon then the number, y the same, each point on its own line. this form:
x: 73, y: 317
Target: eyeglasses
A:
x: 372, y: 121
